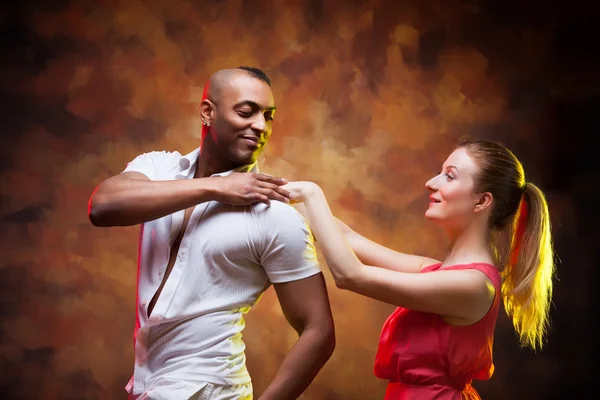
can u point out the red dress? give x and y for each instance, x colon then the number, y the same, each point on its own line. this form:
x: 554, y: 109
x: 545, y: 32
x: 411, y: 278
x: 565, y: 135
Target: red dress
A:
x: 425, y: 358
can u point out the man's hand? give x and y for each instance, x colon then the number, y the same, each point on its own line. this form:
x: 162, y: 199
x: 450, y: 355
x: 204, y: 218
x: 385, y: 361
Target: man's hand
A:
x: 244, y: 188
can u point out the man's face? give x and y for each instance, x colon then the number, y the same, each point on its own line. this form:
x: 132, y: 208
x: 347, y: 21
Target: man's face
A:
x: 242, y: 118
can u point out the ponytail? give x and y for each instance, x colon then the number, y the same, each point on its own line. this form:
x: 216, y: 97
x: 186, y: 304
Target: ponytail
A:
x: 528, y: 273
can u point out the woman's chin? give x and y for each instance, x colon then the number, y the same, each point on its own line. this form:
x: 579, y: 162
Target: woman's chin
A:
x: 431, y: 216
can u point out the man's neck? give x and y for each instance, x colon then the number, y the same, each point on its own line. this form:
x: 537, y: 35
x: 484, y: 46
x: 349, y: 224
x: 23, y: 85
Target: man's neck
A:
x: 210, y: 162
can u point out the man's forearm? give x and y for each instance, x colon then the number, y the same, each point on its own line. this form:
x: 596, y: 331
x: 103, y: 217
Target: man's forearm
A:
x: 128, y: 202
x: 301, y: 365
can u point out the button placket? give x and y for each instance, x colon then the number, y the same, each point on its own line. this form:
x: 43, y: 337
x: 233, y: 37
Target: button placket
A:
x: 143, y: 334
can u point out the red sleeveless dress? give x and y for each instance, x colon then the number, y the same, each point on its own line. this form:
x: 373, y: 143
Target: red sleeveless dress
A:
x: 425, y: 358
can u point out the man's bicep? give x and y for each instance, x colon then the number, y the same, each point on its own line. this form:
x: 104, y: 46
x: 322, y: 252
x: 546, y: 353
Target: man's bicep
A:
x: 134, y: 175
x: 290, y: 261
x: 305, y: 302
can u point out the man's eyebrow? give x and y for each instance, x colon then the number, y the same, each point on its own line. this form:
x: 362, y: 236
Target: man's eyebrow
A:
x: 253, y: 104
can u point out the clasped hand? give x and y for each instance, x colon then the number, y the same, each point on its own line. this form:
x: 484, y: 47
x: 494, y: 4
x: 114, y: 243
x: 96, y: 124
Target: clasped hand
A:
x: 244, y: 188
x: 300, y: 191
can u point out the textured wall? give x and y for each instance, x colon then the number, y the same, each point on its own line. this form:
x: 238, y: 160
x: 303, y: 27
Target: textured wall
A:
x: 371, y: 96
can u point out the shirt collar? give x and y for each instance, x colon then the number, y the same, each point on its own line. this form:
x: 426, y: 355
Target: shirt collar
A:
x: 187, y: 165
x: 244, y: 168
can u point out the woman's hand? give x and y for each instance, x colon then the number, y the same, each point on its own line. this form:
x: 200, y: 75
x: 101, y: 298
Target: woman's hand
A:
x: 300, y: 190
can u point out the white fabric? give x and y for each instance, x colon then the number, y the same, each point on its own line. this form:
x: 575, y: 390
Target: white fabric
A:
x: 227, y: 258
x: 204, y: 391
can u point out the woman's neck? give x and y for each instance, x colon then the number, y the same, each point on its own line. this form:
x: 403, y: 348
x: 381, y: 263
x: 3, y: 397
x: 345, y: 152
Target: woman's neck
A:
x: 471, y: 245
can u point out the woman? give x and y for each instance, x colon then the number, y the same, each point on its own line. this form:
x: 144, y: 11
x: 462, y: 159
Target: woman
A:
x: 440, y: 336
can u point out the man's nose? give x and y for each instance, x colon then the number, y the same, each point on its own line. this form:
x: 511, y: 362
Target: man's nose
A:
x: 259, y: 124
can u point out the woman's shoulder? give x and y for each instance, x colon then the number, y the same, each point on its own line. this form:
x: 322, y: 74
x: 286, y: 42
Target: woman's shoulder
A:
x: 490, y: 270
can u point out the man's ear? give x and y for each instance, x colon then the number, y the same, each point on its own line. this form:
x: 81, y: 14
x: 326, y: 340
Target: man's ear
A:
x: 206, y: 112
x: 484, y: 202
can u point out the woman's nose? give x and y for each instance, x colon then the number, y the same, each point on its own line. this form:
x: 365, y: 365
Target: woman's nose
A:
x: 431, y: 184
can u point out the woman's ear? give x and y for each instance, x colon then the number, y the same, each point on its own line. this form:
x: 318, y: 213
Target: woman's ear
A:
x: 484, y: 202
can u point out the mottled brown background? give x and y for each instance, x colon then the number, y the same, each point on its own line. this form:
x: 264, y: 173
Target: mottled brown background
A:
x: 371, y: 96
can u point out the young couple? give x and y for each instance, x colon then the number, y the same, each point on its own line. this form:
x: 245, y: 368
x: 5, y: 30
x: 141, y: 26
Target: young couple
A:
x: 216, y: 233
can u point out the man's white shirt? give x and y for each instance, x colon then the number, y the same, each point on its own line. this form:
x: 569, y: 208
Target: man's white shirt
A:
x: 228, y: 256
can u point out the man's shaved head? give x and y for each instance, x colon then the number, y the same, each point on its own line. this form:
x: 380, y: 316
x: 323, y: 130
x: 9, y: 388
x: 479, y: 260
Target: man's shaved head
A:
x: 221, y: 79
x: 237, y: 111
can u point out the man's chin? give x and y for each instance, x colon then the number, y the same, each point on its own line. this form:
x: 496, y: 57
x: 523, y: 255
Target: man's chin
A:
x: 249, y: 157
x: 245, y: 159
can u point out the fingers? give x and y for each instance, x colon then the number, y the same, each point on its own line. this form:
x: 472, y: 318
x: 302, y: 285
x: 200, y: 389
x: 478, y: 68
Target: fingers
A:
x: 259, y: 187
x: 255, y: 197
x: 271, y: 179
x: 276, y: 196
x: 276, y: 192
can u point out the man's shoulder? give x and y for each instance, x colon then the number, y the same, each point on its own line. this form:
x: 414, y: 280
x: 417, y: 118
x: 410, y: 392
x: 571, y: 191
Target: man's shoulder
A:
x: 165, y: 161
x: 163, y: 155
x: 281, y: 220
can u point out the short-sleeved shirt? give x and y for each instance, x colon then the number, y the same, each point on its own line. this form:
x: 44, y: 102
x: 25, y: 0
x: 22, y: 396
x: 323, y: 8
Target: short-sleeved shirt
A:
x: 228, y: 256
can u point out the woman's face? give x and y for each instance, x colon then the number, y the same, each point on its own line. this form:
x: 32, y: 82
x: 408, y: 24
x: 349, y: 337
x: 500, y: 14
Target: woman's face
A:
x: 452, y: 203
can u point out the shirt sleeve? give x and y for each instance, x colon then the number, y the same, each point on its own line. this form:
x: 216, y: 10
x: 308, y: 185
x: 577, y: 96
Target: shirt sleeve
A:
x: 289, y: 253
x: 149, y: 163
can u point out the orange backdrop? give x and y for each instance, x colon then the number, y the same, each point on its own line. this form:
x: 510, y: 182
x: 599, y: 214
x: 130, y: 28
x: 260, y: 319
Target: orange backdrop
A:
x: 371, y: 97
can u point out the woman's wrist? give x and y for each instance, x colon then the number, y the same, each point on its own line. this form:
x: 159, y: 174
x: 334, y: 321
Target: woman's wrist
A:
x: 314, y: 192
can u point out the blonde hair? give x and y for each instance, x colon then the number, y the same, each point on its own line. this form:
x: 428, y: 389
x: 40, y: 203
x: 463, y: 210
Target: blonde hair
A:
x: 529, y: 260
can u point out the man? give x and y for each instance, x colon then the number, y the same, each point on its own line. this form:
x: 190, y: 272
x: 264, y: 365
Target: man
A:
x: 211, y: 243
